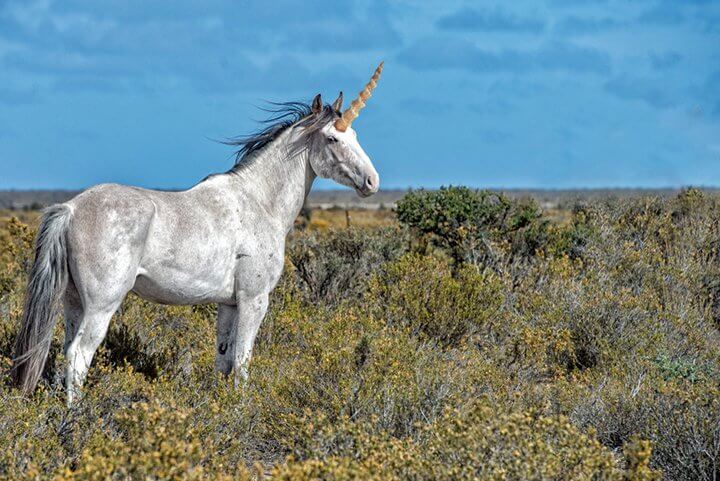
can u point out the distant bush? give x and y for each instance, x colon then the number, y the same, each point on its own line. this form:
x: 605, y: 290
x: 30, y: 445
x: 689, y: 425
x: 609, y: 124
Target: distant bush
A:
x: 572, y: 238
x: 463, y: 222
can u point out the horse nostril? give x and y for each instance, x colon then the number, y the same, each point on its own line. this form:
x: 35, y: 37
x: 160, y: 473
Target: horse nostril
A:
x: 372, y: 183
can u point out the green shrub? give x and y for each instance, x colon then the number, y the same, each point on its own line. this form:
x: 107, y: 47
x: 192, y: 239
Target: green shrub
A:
x: 463, y: 222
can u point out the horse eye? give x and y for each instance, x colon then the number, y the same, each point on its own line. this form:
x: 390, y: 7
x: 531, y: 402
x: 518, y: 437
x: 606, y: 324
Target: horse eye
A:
x: 332, y: 140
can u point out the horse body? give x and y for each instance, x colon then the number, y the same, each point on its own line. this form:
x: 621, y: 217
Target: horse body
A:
x: 221, y: 241
x: 149, y: 241
x: 213, y: 243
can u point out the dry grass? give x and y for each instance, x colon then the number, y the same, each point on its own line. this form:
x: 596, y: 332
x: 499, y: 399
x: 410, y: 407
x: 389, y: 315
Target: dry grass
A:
x: 338, y: 218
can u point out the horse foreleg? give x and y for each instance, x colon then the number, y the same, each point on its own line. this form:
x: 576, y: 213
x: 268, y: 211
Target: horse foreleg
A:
x: 250, y: 313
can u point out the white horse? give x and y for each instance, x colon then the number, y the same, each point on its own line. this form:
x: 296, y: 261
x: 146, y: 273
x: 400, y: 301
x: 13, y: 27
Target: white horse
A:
x: 222, y: 241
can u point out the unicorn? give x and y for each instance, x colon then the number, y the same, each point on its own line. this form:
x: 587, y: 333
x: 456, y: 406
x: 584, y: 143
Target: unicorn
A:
x: 221, y: 241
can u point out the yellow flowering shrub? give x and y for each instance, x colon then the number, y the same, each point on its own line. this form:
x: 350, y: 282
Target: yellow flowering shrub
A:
x: 422, y: 295
x: 479, y: 443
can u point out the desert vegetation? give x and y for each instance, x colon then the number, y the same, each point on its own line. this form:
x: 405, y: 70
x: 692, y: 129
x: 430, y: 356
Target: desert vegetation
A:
x: 466, y: 336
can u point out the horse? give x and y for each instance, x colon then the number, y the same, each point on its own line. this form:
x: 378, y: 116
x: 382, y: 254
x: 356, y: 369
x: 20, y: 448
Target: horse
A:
x: 222, y: 241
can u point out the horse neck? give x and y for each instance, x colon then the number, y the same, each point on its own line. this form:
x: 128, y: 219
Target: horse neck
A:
x: 278, y: 181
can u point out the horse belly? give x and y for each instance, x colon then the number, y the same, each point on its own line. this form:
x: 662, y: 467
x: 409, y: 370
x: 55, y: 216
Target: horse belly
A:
x: 183, y: 287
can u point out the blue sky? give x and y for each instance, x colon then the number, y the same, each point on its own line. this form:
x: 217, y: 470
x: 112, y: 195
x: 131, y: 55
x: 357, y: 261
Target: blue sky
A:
x: 561, y: 93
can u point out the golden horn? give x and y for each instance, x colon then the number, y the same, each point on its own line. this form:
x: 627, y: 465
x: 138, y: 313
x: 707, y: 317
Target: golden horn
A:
x: 353, y: 110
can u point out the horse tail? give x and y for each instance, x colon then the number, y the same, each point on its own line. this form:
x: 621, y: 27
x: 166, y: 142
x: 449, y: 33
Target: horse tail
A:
x: 46, y: 286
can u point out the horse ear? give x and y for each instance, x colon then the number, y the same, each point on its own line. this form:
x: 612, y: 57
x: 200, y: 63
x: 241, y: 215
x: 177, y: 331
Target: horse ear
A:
x: 317, y: 104
x: 337, y: 105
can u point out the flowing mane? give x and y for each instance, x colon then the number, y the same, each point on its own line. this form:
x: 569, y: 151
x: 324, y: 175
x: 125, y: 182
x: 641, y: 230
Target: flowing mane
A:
x: 285, y: 115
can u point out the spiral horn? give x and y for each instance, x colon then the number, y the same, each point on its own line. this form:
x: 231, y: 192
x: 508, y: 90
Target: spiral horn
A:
x: 356, y: 105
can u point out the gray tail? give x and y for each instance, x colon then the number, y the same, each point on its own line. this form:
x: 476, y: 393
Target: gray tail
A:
x: 46, y: 286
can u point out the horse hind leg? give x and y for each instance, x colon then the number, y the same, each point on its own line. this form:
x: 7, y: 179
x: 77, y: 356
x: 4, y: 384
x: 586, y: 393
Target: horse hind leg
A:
x: 102, y: 289
x: 73, y: 314
x: 91, y: 331
x: 99, y: 300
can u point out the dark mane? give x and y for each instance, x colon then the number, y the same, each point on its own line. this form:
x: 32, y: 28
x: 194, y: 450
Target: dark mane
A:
x: 285, y: 115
